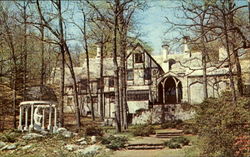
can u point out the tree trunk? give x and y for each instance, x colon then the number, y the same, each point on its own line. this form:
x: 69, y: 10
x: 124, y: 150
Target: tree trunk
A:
x: 123, y: 91
x: 239, y: 73
x: 62, y: 49
x: 204, y: 56
x: 116, y: 70
x: 231, y: 77
x: 25, y: 49
x: 102, y: 108
x: 88, y: 73
x: 61, y: 103
x: 235, y: 52
x: 71, y: 67
x: 42, y: 56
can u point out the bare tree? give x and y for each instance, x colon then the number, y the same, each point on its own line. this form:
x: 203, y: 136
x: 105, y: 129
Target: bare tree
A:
x: 64, y: 50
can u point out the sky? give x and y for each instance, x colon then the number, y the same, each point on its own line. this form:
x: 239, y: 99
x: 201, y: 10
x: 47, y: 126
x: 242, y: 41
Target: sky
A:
x: 153, y: 23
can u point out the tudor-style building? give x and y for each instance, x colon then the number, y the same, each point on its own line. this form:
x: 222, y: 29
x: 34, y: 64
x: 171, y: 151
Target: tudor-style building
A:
x: 162, y: 83
x: 142, y: 74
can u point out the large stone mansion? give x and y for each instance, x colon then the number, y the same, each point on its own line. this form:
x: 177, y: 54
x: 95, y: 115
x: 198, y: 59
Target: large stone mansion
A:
x: 162, y: 82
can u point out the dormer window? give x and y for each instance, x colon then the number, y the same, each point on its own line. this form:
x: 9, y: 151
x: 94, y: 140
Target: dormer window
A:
x: 138, y: 58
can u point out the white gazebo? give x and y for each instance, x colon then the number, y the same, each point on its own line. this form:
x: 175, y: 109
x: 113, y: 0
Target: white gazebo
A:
x: 35, y: 116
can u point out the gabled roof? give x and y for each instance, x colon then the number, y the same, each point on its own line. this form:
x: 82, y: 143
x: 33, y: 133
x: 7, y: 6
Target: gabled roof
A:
x: 144, y: 50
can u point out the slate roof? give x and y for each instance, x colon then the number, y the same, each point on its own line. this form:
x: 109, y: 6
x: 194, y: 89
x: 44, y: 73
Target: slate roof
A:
x: 81, y: 72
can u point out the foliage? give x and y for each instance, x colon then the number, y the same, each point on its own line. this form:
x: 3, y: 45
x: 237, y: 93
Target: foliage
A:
x: 177, y: 142
x: 172, y: 124
x: 220, y: 122
x: 143, y: 130
x: 188, y: 128
x: 114, y: 142
x: 9, y: 136
x: 93, y: 130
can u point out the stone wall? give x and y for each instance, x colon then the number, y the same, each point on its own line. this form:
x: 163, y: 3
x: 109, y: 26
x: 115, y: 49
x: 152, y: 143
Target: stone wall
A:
x: 154, y: 115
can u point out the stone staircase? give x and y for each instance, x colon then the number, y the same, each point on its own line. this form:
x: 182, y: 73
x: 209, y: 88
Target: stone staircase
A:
x: 144, y: 146
x: 169, y: 134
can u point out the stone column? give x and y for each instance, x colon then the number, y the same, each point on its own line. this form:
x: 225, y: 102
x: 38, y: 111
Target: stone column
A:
x: 20, y: 127
x: 26, y: 118
x: 32, y: 118
x: 177, y: 92
x: 50, y: 114
x: 164, y: 93
x: 55, y: 119
x: 43, y: 122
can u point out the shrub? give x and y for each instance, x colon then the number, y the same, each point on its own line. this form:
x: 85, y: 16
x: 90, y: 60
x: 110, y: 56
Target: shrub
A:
x: 114, y: 142
x: 93, y: 130
x: 177, y: 142
x: 143, y: 130
x: 174, y: 145
x: 9, y: 137
x: 172, y: 124
x: 189, y: 128
x: 220, y: 122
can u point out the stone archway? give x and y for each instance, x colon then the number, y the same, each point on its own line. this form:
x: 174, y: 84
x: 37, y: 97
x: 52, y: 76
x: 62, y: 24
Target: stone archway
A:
x: 170, y: 91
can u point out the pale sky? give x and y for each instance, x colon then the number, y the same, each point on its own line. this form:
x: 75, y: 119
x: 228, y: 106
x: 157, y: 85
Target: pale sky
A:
x: 153, y: 23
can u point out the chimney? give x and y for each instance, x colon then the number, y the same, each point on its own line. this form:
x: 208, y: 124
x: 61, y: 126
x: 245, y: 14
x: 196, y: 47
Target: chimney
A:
x: 165, y: 51
x: 98, y: 50
x: 185, y: 44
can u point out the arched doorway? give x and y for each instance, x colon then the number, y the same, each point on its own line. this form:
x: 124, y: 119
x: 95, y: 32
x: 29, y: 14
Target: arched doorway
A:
x: 170, y: 91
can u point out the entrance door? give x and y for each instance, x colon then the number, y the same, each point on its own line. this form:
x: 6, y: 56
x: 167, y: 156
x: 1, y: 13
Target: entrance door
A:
x: 170, y: 91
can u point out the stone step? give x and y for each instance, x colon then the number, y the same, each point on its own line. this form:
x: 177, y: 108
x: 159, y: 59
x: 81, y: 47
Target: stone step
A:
x: 143, y: 146
x: 168, y: 134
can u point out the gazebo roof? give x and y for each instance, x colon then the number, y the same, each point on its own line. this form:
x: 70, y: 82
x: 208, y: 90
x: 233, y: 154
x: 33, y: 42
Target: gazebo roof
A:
x: 37, y: 102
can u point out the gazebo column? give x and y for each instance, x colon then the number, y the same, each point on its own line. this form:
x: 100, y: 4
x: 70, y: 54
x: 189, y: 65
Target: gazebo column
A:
x: 55, y: 120
x: 20, y: 127
x: 26, y: 118
x: 32, y: 118
x: 50, y: 114
x: 43, y: 122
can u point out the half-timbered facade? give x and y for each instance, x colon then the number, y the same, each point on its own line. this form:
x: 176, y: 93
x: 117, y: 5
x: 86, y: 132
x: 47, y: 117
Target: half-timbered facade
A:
x: 162, y: 82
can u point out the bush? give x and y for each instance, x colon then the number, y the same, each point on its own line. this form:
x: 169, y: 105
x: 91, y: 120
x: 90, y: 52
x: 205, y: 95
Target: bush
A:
x: 9, y: 137
x: 172, y: 124
x: 177, y: 142
x: 93, y: 130
x: 174, y: 145
x: 220, y: 122
x: 143, y: 130
x: 188, y: 128
x: 114, y: 142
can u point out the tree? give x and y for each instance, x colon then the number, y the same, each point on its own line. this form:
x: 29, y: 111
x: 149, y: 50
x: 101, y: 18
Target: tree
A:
x: 64, y: 50
x: 220, y: 123
x: 212, y: 21
x: 118, y: 18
